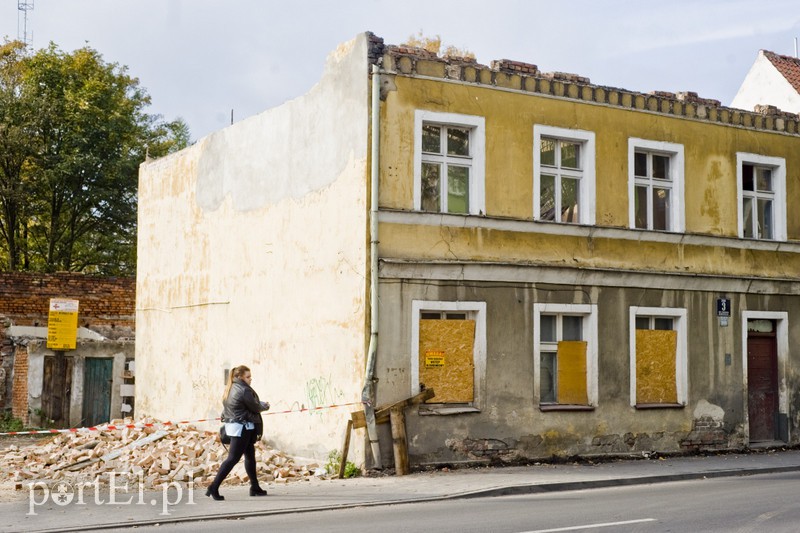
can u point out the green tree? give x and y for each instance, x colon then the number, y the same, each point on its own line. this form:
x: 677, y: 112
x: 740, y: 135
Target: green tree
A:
x: 69, y: 189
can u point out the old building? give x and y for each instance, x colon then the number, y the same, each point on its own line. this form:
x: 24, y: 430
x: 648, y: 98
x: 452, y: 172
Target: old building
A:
x: 71, y: 388
x: 774, y: 79
x: 572, y: 268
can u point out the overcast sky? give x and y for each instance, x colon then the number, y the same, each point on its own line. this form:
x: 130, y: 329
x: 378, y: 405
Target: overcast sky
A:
x: 199, y: 59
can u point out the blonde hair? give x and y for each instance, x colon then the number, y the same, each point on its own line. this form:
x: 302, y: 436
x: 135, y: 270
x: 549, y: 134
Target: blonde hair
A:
x: 236, y: 372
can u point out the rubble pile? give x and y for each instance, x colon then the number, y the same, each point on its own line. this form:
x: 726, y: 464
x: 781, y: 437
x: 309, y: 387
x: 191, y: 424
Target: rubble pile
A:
x: 157, y: 456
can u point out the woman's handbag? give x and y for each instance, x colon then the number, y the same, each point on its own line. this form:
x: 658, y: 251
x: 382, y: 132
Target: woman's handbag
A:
x: 224, y: 437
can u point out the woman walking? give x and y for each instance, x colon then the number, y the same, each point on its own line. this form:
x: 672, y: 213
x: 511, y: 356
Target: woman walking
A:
x: 242, y: 417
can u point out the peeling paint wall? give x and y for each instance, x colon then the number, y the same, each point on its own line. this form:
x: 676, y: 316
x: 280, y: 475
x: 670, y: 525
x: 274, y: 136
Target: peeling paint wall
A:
x: 252, y: 250
x: 510, y: 425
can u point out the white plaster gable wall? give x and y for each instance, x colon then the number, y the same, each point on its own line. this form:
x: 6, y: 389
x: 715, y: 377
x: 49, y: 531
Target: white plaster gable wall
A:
x: 253, y: 250
x: 766, y: 86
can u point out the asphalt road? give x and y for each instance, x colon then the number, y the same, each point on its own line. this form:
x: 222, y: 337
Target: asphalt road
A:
x: 763, y: 503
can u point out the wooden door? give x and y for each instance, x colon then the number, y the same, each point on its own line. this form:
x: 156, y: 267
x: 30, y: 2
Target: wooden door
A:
x: 97, y: 390
x: 762, y: 387
x: 56, y: 391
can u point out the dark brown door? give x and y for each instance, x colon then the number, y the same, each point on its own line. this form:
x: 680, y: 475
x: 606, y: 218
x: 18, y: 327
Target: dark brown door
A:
x: 762, y: 387
x: 56, y: 392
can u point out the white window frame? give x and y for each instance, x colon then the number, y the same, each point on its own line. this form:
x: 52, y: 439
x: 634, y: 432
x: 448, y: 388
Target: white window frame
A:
x: 778, y: 165
x: 477, y: 127
x: 476, y: 311
x: 586, y: 202
x: 676, y: 154
x: 679, y: 316
x: 589, y: 325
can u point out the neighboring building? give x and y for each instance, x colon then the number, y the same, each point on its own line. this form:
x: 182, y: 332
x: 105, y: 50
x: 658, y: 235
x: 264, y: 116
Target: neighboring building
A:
x: 574, y: 269
x: 86, y: 386
x: 774, y: 80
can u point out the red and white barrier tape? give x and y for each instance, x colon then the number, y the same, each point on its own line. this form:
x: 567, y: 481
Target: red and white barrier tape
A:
x: 114, y: 427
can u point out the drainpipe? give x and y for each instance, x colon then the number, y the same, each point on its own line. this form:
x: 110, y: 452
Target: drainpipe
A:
x: 368, y: 392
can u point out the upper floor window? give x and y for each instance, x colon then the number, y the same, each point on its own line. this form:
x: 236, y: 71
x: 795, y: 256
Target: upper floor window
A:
x: 563, y: 175
x: 761, y: 188
x: 448, y: 163
x: 655, y: 185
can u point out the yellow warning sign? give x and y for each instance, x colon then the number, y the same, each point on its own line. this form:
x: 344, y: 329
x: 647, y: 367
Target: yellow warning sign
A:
x: 62, y: 324
x: 434, y: 358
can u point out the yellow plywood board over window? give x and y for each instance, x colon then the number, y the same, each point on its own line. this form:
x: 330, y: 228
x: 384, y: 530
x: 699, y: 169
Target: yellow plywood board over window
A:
x: 655, y: 366
x: 446, y: 364
x: 572, y: 373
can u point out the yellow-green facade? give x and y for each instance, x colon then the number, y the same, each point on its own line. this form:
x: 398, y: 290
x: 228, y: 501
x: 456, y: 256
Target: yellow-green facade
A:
x: 509, y: 271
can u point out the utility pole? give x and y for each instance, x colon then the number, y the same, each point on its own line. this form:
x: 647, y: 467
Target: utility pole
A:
x: 22, y: 22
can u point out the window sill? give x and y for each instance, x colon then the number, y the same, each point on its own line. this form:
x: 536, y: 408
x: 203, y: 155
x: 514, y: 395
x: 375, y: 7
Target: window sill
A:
x: 433, y: 410
x: 659, y: 406
x: 565, y: 407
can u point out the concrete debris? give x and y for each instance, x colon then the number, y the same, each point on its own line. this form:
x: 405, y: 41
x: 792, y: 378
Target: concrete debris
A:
x: 157, y: 456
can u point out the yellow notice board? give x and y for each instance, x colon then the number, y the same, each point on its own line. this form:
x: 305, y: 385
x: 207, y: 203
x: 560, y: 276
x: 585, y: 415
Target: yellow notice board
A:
x: 655, y: 366
x: 446, y: 357
x: 62, y: 324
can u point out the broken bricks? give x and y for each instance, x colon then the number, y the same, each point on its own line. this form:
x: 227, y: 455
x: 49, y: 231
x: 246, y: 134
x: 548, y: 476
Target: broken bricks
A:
x: 159, y: 457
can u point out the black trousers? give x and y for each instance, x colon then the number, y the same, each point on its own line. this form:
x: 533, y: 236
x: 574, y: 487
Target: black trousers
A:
x: 244, y: 445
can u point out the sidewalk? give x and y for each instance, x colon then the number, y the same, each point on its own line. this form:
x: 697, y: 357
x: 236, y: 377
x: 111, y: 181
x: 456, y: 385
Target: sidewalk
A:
x: 150, y: 508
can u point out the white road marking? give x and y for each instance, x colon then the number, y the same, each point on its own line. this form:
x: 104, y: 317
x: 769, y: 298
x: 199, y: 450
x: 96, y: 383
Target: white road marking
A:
x: 590, y: 526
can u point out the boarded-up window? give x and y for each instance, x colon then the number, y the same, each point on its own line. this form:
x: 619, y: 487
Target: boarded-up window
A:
x: 572, y: 373
x: 656, y: 366
x: 446, y: 359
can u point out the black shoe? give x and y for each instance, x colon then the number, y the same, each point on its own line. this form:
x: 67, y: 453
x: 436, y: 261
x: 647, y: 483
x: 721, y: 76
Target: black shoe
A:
x: 257, y: 491
x: 214, y: 493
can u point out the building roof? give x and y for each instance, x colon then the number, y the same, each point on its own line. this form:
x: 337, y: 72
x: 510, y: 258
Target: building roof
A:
x: 788, y: 66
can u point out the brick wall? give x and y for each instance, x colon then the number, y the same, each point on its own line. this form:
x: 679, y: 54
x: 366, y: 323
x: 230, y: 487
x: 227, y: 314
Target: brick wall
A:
x: 19, y: 387
x: 25, y: 298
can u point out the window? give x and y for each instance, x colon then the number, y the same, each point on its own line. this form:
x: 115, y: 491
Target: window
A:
x: 448, y: 347
x: 448, y: 163
x: 658, y: 357
x: 563, y: 175
x: 655, y: 185
x: 565, y: 355
x: 761, y: 187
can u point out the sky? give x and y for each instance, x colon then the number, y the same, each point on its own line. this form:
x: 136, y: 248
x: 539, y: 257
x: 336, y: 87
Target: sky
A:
x: 202, y: 60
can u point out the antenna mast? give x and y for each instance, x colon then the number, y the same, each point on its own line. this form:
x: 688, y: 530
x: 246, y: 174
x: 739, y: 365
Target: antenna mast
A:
x: 22, y: 22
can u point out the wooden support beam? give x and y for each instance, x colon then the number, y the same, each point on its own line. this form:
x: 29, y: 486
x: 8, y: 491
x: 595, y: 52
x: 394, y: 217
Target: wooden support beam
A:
x: 399, y: 441
x: 345, y: 448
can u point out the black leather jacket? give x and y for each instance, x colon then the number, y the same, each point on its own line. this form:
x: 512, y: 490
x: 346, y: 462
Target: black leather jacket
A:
x: 242, y: 404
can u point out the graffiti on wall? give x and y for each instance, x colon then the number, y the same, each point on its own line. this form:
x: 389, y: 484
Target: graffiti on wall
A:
x: 320, y: 392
